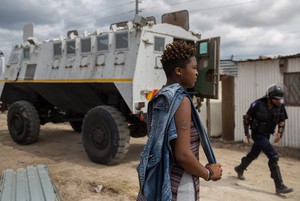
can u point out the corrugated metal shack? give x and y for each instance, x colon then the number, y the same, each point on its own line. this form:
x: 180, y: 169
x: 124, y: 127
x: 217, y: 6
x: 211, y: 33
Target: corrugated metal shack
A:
x: 251, y: 82
x: 32, y: 183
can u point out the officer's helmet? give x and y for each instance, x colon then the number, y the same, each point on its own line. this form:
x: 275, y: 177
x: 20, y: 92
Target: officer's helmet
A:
x: 275, y: 91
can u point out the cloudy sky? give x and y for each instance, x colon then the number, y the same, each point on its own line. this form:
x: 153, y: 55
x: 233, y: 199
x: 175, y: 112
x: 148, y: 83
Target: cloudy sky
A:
x: 247, y: 28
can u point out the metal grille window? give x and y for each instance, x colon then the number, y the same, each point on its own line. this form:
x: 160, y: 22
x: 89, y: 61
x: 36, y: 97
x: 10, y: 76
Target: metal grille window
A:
x: 71, y: 47
x: 57, y: 49
x: 30, y: 72
x: 86, y: 45
x: 159, y: 44
x: 26, y: 53
x: 14, y: 58
x: 122, y: 40
x: 102, y: 42
x: 292, y: 83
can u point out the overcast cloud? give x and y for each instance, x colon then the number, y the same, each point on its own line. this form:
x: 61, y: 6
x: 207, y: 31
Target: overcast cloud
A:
x: 247, y: 29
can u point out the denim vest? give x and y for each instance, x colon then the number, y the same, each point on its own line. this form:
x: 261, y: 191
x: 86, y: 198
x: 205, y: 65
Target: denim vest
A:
x: 157, y: 158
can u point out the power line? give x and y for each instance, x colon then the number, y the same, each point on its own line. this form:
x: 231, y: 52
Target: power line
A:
x: 226, y: 6
x: 137, y: 10
x: 102, y: 18
x: 106, y: 8
x: 208, y: 8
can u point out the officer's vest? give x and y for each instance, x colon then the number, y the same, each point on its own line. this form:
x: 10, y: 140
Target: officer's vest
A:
x: 264, y: 121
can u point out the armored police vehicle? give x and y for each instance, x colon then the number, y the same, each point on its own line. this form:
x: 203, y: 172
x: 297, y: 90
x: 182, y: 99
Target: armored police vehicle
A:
x: 99, y: 82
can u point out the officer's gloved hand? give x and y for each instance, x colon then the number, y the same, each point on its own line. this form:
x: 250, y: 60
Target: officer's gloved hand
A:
x: 248, y: 136
x: 277, y: 137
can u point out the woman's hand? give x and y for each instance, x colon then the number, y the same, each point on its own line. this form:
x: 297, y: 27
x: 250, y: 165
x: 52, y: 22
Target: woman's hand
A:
x: 215, y: 171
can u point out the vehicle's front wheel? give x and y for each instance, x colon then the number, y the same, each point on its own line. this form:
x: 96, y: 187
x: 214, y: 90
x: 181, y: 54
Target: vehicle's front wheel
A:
x: 23, y: 122
x: 76, y: 125
x: 105, y: 135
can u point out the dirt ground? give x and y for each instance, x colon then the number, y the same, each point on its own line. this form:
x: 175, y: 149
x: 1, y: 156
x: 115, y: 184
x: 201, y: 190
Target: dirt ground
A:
x: 77, y: 178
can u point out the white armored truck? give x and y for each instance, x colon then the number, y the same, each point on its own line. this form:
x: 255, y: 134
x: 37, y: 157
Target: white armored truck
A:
x: 99, y: 82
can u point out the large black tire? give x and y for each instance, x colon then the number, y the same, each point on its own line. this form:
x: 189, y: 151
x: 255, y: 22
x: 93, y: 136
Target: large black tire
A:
x: 76, y: 125
x: 23, y: 122
x: 105, y: 135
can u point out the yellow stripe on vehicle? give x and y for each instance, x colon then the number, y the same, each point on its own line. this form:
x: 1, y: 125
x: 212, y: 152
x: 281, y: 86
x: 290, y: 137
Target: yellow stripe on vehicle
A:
x: 71, y: 80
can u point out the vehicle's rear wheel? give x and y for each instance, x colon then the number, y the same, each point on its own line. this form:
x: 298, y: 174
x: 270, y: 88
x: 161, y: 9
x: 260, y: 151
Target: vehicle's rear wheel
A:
x: 105, y: 135
x: 23, y: 122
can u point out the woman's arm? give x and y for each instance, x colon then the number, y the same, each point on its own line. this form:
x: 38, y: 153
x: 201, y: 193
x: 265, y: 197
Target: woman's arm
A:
x: 181, y: 145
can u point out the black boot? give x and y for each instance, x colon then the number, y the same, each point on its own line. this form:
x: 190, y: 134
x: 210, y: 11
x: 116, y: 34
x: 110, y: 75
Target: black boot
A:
x: 240, y: 168
x: 283, y: 189
x: 276, y: 176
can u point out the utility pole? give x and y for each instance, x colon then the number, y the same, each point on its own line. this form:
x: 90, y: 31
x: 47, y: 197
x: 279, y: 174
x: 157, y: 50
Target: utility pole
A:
x: 137, y: 6
x: 2, y: 62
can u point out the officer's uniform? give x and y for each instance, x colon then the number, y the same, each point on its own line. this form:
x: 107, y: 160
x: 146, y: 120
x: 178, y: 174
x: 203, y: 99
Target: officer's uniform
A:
x: 262, y: 122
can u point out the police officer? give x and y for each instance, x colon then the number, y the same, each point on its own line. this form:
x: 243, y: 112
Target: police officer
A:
x: 263, y: 116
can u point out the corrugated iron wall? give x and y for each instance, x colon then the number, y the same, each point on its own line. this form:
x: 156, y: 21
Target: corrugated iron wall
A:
x: 251, y: 83
x: 292, y: 137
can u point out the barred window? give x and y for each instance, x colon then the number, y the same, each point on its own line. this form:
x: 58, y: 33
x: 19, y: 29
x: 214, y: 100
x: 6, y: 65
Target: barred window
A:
x: 102, y: 42
x: 30, y: 72
x: 57, y: 51
x: 14, y: 58
x: 121, y: 40
x: 85, y: 45
x: 26, y: 53
x: 71, y: 47
x: 159, y: 43
x: 292, y: 84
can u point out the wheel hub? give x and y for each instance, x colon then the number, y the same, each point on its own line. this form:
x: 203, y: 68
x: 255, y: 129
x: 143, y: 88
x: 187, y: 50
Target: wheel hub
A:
x: 17, y: 123
x: 100, y: 137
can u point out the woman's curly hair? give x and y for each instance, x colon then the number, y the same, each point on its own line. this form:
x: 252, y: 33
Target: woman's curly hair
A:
x: 176, y: 54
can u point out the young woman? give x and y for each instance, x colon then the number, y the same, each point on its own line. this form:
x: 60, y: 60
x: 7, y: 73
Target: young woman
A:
x: 170, y: 167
